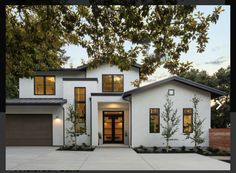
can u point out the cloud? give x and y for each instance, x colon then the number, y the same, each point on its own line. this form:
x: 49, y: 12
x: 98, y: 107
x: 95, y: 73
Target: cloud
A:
x: 218, y: 61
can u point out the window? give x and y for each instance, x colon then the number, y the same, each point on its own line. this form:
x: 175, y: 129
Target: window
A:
x: 44, y: 85
x: 171, y: 92
x: 80, y: 107
x: 113, y: 83
x: 154, y: 120
x: 187, y: 120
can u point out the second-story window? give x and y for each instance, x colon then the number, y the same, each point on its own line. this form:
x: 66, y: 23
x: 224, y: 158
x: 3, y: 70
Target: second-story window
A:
x: 112, y: 83
x: 44, y: 85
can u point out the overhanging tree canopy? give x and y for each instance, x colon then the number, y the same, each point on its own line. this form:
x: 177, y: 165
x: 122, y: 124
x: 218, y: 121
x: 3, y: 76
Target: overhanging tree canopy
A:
x: 36, y: 35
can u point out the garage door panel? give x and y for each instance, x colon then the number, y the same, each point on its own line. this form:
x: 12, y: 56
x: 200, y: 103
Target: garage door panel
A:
x: 31, y: 130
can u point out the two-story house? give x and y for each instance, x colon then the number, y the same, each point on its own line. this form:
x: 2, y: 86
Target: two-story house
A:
x: 107, y: 103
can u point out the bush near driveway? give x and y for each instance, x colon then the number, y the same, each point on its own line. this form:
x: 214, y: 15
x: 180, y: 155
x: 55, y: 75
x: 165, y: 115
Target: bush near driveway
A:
x: 207, y: 151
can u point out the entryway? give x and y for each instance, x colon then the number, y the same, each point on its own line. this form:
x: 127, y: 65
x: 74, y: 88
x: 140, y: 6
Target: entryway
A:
x: 113, y: 127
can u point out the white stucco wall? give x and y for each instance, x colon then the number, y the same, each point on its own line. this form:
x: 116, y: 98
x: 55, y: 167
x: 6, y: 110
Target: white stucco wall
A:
x: 68, y: 93
x: 26, y: 85
x: 129, y: 76
x: 54, y: 110
x: 155, y: 98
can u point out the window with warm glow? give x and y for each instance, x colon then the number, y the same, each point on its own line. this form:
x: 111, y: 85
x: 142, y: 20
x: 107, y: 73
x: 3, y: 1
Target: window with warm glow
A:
x: 80, y: 107
x: 112, y: 83
x: 187, y: 120
x: 44, y: 85
x: 154, y: 120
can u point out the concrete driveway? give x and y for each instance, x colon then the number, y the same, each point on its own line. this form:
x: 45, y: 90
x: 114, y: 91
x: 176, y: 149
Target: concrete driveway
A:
x: 47, y: 158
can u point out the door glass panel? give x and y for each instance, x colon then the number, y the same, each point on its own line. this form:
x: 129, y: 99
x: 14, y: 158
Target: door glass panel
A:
x: 107, y: 129
x: 118, y: 129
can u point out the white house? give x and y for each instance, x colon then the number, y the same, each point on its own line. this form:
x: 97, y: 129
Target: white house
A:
x: 108, y: 104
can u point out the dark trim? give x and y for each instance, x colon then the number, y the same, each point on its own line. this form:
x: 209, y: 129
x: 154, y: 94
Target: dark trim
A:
x: 130, y: 121
x: 63, y: 113
x: 35, y: 104
x: 90, y: 99
x: 33, y: 101
x: 80, y: 79
x: 191, y: 120
x: 106, y: 94
x: 83, y: 102
x: 61, y: 69
x: 112, y: 75
x: 85, y: 66
x: 214, y: 92
x: 122, y: 142
x: 158, y: 119
x: 44, y: 84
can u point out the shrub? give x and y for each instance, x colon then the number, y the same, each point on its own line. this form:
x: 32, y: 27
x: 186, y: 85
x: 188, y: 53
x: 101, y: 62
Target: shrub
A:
x: 85, y: 145
x: 183, y: 148
x: 155, y: 148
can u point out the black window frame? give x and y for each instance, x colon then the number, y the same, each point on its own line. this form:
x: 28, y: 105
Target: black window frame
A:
x: 113, y: 82
x: 44, y: 84
x: 158, y: 119
x: 83, y: 102
x: 191, y: 120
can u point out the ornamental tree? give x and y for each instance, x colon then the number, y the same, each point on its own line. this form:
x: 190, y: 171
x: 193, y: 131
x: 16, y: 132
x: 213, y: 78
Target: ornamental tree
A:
x: 197, y: 130
x: 171, y: 122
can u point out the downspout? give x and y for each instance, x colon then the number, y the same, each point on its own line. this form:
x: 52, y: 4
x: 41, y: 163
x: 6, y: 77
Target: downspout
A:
x: 63, y: 110
x: 90, y: 99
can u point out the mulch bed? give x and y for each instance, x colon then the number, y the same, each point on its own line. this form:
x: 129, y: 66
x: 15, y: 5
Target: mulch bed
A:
x: 207, y: 151
x: 77, y: 148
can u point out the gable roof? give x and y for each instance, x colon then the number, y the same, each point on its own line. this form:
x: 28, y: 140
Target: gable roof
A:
x: 36, y: 101
x: 214, y: 92
x: 80, y: 68
x: 83, y: 67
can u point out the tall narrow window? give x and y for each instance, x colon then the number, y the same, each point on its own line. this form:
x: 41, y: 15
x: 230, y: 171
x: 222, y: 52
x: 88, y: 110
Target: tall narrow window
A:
x: 44, y: 85
x: 112, y: 83
x: 80, y: 107
x: 187, y: 120
x: 154, y: 120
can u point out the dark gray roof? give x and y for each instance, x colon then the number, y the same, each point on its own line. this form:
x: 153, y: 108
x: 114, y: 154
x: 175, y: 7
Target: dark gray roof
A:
x: 63, y: 69
x: 82, y: 67
x: 214, y: 92
x: 36, y: 101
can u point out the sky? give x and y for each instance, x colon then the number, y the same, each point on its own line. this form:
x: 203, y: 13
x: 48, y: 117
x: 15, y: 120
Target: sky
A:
x: 215, y: 56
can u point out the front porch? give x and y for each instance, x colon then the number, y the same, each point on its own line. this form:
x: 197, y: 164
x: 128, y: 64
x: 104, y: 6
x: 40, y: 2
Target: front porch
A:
x: 110, y: 123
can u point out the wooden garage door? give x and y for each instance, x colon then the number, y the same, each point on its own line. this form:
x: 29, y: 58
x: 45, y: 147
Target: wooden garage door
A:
x: 28, y: 130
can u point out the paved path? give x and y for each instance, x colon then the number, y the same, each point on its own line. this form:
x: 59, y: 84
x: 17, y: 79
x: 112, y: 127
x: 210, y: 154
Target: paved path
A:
x: 47, y: 158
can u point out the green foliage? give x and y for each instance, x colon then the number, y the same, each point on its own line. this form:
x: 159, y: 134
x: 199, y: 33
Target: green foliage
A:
x: 171, y: 122
x: 196, y: 135
x: 12, y: 86
x: 156, y: 27
x: 73, y: 118
x: 35, y: 35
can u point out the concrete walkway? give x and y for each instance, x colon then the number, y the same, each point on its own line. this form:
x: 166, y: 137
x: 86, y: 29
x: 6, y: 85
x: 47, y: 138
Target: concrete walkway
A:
x: 47, y: 158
